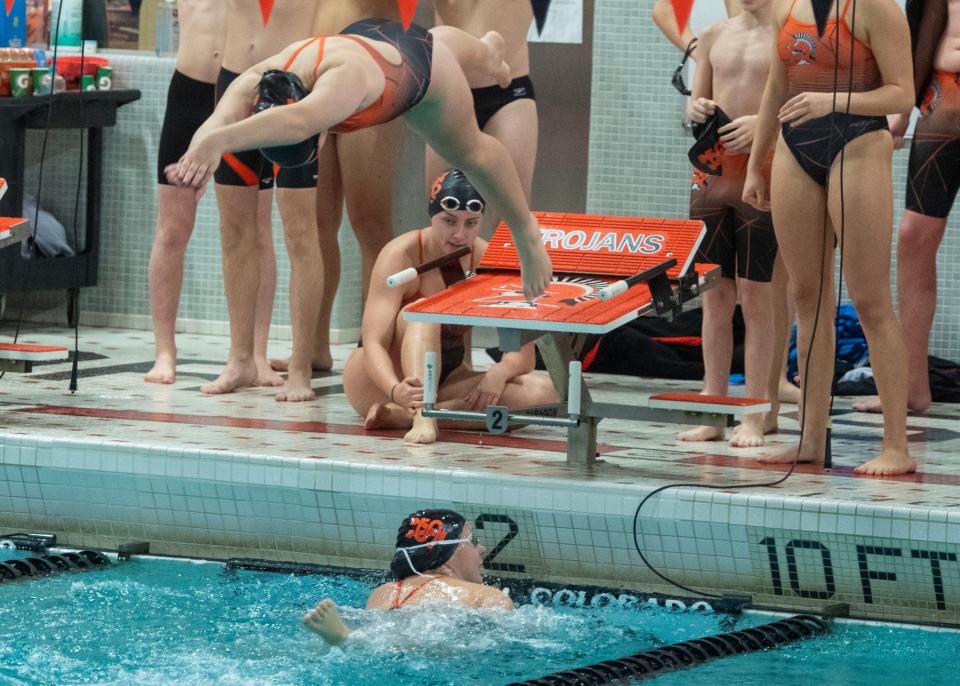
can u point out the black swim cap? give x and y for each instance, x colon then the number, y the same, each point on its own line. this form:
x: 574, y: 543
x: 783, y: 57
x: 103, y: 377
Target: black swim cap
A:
x: 453, y: 191
x: 420, y: 541
x: 282, y: 88
x: 707, y: 153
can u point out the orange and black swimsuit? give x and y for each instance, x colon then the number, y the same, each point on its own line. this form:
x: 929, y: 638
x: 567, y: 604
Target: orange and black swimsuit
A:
x: 838, y: 62
x: 452, y: 344
x: 405, y: 83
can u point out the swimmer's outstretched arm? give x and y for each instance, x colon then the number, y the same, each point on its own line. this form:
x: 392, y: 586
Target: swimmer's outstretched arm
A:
x: 324, y: 620
x: 337, y: 94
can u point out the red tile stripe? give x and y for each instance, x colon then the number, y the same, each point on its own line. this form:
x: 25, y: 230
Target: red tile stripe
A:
x: 462, y: 437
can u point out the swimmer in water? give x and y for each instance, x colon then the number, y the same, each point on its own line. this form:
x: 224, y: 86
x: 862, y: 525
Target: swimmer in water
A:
x: 438, y: 558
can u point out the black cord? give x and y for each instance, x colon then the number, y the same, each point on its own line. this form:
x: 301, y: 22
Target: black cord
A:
x: 74, y: 369
x: 813, y: 333
x: 31, y: 241
x: 43, y: 155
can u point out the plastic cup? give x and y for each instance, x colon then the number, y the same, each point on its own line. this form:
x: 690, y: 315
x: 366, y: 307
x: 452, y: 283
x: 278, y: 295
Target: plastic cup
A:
x: 104, y: 78
x: 42, y: 81
x: 19, y: 82
x: 88, y: 83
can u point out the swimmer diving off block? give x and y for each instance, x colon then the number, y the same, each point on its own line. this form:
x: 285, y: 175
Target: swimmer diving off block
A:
x: 370, y: 73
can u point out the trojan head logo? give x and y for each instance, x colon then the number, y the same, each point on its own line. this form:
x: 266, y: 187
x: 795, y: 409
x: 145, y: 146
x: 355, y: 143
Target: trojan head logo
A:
x: 567, y: 291
x: 803, y: 50
x: 931, y: 98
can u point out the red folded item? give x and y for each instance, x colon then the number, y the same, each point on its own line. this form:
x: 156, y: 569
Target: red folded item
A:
x: 68, y: 66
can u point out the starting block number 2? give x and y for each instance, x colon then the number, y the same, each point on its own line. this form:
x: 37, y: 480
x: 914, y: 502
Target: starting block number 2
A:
x: 497, y: 419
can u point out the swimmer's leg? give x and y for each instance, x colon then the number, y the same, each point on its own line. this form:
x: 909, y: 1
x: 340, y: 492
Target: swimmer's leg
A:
x: 324, y: 620
x: 446, y: 120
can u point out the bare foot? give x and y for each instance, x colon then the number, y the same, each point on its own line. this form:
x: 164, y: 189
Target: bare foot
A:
x: 424, y: 430
x: 789, y: 393
x: 499, y: 69
x: 164, y: 369
x: 788, y: 453
x: 749, y: 433
x: 872, y: 404
x: 771, y: 424
x: 295, y: 390
x: 702, y: 433
x: 265, y: 375
x: 235, y: 375
x: 387, y: 416
x: 323, y: 363
x: 869, y: 404
x: 324, y: 620
x: 888, y: 463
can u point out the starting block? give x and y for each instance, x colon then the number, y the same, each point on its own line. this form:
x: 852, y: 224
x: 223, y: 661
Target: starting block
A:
x: 12, y: 229
x: 607, y: 271
x: 17, y: 357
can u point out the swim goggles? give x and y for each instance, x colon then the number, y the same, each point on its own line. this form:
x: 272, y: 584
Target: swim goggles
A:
x: 451, y: 204
x: 472, y: 540
x: 678, y: 72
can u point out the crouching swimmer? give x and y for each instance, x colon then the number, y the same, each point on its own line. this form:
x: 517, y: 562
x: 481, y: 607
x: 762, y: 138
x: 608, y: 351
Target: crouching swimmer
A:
x: 437, y: 559
x: 383, y: 378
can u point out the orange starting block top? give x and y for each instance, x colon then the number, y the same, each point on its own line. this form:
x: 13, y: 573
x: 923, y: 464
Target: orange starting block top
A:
x: 588, y: 252
x: 603, y: 245
x: 12, y: 230
x: 32, y: 353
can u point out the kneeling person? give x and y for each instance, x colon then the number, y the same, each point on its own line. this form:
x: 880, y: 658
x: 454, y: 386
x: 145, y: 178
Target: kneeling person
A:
x: 383, y: 378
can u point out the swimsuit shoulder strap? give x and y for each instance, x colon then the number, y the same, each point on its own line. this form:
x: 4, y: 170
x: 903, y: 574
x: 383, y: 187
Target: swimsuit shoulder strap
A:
x: 790, y: 11
x: 396, y: 595
x: 303, y: 46
x: 400, y: 602
x: 374, y: 53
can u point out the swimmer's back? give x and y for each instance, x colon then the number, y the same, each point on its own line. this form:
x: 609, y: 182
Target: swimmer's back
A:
x: 440, y: 588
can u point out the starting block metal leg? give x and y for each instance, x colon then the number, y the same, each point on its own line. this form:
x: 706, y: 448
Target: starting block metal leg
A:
x: 557, y: 352
x: 16, y: 366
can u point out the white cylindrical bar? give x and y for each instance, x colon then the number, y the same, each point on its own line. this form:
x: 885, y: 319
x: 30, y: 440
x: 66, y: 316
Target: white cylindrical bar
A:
x: 573, y: 389
x: 430, y: 379
x: 616, y: 288
x: 3, y: 186
x: 402, y: 277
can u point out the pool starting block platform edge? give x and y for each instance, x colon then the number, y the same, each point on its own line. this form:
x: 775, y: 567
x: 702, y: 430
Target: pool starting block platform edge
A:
x: 608, y: 271
x: 13, y: 230
x: 20, y: 357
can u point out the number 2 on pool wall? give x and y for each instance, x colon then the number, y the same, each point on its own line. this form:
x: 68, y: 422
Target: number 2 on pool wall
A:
x: 497, y: 549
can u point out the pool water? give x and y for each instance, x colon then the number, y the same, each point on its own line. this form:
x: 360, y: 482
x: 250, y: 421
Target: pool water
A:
x: 154, y: 621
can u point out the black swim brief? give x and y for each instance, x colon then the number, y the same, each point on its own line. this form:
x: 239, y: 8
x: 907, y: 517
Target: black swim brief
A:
x: 491, y: 99
x: 189, y: 103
